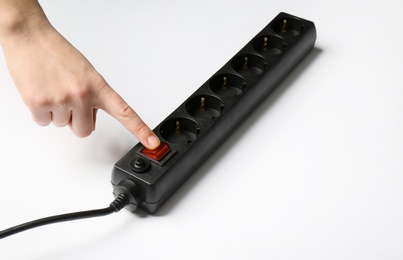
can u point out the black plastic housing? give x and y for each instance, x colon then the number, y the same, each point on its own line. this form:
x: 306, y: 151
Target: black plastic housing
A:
x: 195, y: 129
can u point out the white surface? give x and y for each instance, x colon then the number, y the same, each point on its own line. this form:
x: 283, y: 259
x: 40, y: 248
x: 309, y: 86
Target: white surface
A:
x: 315, y: 173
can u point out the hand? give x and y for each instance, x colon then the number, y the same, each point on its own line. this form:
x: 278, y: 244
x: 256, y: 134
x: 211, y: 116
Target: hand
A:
x: 59, y: 85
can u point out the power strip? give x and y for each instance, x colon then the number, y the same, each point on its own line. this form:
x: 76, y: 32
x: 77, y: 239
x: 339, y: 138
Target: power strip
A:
x: 192, y: 132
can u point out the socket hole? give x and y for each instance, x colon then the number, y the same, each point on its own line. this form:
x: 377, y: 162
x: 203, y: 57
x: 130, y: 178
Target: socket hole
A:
x: 180, y: 130
x: 204, y: 107
x: 249, y: 64
x: 268, y: 44
x: 288, y: 26
x: 227, y: 85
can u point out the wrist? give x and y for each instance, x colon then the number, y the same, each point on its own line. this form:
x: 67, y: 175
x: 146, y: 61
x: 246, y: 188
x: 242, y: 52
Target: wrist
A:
x: 21, y: 20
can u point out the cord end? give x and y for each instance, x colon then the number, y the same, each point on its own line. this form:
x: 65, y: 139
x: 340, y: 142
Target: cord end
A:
x: 119, y: 203
x: 127, y: 195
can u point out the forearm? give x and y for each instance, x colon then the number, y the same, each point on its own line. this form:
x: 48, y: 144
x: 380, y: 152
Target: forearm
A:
x: 21, y: 19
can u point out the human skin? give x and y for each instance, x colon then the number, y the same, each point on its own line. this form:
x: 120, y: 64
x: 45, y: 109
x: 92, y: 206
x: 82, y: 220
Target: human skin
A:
x: 57, y: 83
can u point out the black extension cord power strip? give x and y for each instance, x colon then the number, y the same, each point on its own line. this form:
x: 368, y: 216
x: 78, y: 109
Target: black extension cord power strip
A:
x: 199, y: 125
x: 191, y: 133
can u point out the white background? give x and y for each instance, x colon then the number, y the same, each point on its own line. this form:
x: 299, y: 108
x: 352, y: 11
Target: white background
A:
x: 315, y: 172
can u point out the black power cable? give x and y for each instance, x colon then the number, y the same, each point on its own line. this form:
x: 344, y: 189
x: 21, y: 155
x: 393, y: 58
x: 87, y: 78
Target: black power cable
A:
x: 127, y: 195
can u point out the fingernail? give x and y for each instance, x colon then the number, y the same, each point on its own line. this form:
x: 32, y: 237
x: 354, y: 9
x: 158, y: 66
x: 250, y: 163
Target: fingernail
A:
x: 153, y: 141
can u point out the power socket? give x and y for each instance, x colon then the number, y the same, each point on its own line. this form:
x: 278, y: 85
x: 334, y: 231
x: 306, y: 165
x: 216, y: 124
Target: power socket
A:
x: 192, y: 132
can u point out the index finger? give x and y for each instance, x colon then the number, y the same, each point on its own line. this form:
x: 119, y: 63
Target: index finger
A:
x: 113, y: 104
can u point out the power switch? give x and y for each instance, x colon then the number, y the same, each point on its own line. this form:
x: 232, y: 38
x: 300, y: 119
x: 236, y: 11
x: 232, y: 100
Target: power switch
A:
x: 157, y: 154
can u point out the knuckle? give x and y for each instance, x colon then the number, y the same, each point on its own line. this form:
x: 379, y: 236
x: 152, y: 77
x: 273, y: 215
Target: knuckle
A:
x: 141, y: 128
x: 62, y: 100
x: 83, y: 94
x: 125, y: 111
x: 99, y: 82
x: 129, y: 115
x: 97, y: 79
x: 79, y: 91
x: 37, y: 102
